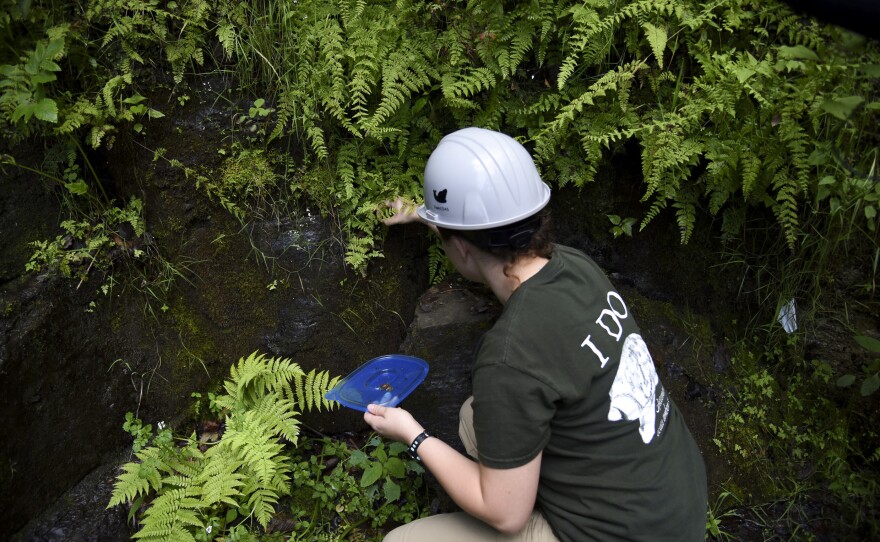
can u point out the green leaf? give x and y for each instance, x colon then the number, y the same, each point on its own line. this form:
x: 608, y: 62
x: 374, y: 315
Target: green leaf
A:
x: 841, y: 108
x: 868, y: 343
x: 358, y: 458
x: 371, y: 474
x: 657, y: 39
x: 395, y: 467
x: 47, y: 110
x: 870, y: 212
x: 135, y: 507
x: 24, y: 109
x: 42, y: 78
x: 153, y: 114
x: 134, y: 100
x: 817, y: 157
x: 391, y: 490
x: 797, y: 52
x: 397, y: 448
x: 79, y: 188
x: 846, y: 381
x: 870, y: 385
x: 872, y: 70
x: 53, y: 48
x: 50, y: 66
x: 743, y: 73
x: 419, y: 105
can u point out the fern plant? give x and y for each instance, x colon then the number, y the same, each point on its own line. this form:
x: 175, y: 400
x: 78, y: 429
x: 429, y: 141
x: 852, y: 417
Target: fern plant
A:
x: 738, y: 106
x: 727, y: 100
x: 247, y: 469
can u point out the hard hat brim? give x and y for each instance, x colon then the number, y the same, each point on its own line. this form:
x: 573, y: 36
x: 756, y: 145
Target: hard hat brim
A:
x: 432, y: 218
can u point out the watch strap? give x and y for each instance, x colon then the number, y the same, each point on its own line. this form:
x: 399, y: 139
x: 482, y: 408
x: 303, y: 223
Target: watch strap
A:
x: 413, y: 448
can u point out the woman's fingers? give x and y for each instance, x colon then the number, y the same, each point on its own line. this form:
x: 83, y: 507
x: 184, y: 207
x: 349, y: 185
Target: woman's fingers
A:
x: 404, y: 212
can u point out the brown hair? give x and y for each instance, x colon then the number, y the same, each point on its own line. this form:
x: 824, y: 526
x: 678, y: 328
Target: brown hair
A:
x: 530, y: 237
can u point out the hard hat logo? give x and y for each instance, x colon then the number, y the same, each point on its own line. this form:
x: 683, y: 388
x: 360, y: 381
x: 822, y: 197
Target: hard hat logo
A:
x: 481, y: 179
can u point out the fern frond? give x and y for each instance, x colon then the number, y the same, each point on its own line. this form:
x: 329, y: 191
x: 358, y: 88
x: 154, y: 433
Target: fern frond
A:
x: 255, y: 376
x: 226, y: 35
x: 219, y: 480
x: 252, y: 438
x: 585, y: 20
x: 466, y: 84
x: 656, y: 37
x: 685, y: 215
x: 131, y: 484
x: 280, y: 413
x: 319, y: 383
x: 786, y: 205
x: 262, y: 503
x: 438, y: 264
x: 169, y: 514
x: 656, y: 207
x: 751, y: 168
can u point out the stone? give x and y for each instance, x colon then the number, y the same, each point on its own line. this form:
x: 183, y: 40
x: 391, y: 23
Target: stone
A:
x: 446, y: 327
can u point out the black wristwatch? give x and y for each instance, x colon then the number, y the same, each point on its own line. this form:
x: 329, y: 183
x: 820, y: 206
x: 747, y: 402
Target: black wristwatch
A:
x: 413, y: 448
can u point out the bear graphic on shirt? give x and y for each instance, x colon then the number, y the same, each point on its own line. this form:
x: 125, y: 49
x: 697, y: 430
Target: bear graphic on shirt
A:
x: 636, y: 393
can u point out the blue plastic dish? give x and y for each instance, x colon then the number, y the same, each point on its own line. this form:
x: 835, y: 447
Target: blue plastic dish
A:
x: 386, y: 381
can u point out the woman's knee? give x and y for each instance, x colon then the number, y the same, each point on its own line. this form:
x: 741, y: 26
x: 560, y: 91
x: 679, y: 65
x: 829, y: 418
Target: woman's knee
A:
x: 466, y: 427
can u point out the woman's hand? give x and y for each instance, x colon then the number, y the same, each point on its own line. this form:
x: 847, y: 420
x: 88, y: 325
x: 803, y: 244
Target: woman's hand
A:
x: 393, y: 423
x: 404, y: 212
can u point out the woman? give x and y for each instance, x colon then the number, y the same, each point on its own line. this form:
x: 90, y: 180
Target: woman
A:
x: 575, y: 438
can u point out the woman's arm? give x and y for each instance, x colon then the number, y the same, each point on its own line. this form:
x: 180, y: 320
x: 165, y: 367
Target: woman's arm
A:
x: 404, y: 213
x: 503, y: 498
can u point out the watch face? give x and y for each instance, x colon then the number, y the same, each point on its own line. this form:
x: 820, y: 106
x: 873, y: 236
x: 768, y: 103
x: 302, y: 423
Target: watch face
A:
x: 385, y: 380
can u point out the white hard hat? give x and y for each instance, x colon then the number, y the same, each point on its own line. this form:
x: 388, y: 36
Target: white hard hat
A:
x: 478, y: 179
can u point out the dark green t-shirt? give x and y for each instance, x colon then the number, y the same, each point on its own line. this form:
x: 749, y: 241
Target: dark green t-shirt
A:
x: 564, y: 370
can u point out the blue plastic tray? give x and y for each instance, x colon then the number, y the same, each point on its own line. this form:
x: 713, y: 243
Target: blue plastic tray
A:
x: 386, y: 380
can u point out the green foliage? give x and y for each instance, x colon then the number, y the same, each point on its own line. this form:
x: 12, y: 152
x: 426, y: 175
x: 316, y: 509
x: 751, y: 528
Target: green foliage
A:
x: 247, y: 182
x: 728, y: 101
x: 744, y: 115
x: 373, y: 484
x: 793, y: 430
x: 871, y: 381
x: 85, y: 244
x: 24, y: 85
x: 247, y: 471
x: 621, y: 226
x: 738, y: 106
x: 140, y: 432
x: 438, y: 265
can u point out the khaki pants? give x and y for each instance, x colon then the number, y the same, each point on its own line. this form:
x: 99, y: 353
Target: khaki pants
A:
x: 461, y: 527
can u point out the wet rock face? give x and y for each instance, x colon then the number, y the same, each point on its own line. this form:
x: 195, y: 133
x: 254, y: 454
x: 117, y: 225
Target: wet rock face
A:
x: 57, y: 397
x: 449, y: 320
x: 74, y: 360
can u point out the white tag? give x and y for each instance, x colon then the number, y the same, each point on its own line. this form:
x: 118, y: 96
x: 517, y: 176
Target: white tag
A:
x: 787, y: 317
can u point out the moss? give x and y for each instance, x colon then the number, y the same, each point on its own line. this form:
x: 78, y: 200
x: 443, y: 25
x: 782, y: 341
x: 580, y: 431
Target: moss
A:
x: 186, y: 357
x: 692, y: 330
x: 248, y: 172
x: 116, y: 322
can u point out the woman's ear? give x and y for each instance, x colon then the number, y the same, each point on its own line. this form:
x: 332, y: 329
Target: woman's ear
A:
x: 461, y: 246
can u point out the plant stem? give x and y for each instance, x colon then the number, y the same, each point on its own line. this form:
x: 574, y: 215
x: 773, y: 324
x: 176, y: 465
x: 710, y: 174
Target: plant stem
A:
x: 91, y: 168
